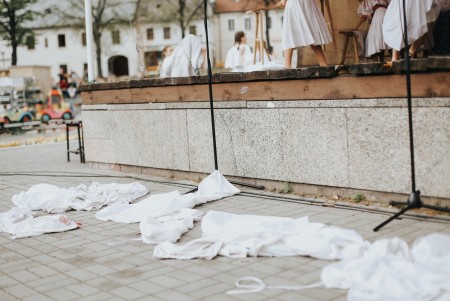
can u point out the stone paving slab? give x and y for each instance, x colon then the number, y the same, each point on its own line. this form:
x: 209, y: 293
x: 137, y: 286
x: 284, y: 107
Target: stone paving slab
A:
x: 79, y: 264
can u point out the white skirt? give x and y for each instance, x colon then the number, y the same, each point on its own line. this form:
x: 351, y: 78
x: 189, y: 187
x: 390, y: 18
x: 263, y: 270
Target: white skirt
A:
x: 416, y: 16
x: 375, y: 40
x: 304, y: 25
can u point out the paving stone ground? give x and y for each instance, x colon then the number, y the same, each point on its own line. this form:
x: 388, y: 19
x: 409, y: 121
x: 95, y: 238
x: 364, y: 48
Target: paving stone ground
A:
x: 79, y: 264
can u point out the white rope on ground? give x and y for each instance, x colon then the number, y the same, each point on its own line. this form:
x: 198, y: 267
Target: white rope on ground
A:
x: 249, y: 284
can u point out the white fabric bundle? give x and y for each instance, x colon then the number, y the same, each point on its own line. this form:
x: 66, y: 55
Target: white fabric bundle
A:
x: 186, y: 59
x: 213, y: 187
x: 55, y: 200
x: 19, y: 222
x: 169, y: 227
x: 389, y: 270
x: 238, y: 236
x: 165, y: 217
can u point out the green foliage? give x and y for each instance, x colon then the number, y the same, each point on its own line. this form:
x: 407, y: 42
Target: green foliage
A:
x: 287, y: 188
x: 359, y: 197
x: 14, y: 16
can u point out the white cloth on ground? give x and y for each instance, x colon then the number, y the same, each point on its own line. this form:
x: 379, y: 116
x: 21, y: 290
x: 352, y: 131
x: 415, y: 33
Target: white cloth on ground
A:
x: 269, y: 64
x: 389, y: 270
x: 20, y: 223
x: 416, y: 16
x: 165, y: 216
x: 249, y: 235
x: 303, y: 25
x: 53, y: 199
x: 186, y: 59
x: 169, y: 227
x: 238, y: 57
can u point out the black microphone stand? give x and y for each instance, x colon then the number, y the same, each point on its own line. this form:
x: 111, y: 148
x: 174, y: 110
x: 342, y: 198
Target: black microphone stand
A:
x: 211, y: 102
x: 414, y: 201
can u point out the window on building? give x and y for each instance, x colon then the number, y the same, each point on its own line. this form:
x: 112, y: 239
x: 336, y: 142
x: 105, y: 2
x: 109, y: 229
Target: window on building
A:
x: 30, y: 42
x: 231, y: 25
x: 115, y: 36
x: 83, y: 39
x: 193, y: 30
x: 150, y: 34
x: 166, y: 33
x: 46, y: 42
x: 248, y: 24
x: 152, y: 59
x: 62, y: 40
x: 269, y: 22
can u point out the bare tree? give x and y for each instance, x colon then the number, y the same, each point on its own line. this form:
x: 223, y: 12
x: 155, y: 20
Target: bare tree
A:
x: 105, y: 14
x: 183, y: 11
x: 14, y: 16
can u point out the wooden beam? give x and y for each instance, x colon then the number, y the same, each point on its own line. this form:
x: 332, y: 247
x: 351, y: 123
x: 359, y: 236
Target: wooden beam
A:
x: 364, y: 87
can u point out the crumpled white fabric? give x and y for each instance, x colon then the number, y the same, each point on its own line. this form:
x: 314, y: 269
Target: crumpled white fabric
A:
x: 53, y: 199
x: 13, y: 216
x: 213, y: 187
x: 186, y: 59
x: 169, y: 227
x: 20, y: 223
x: 250, y: 235
x: 203, y: 248
x: 389, y: 270
x: 166, y: 216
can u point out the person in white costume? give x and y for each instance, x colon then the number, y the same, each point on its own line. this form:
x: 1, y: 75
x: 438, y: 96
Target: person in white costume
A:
x: 416, y: 16
x: 187, y: 59
x: 303, y: 25
x: 427, y: 39
x: 166, y: 52
x: 240, y: 55
x: 373, y: 11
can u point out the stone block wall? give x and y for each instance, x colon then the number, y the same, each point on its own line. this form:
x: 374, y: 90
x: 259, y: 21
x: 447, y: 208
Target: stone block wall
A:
x: 357, y: 144
x: 320, y: 128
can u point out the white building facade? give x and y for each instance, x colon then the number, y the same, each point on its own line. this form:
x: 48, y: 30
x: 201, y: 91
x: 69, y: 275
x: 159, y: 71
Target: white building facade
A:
x: 233, y: 16
x: 128, y: 49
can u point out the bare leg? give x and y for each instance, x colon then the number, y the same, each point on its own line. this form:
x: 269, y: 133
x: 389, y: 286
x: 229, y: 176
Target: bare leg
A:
x: 416, y: 44
x: 395, y: 55
x: 318, y: 51
x: 288, y: 58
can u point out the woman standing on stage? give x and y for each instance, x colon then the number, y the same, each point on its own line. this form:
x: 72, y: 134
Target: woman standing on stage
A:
x: 416, y: 16
x: 303, y: 25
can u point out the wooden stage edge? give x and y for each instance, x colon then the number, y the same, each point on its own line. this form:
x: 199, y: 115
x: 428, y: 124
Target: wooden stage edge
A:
x: 424, y: 85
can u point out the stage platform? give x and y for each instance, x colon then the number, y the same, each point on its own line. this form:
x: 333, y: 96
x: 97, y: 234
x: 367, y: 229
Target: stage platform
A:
x: 329, y: 131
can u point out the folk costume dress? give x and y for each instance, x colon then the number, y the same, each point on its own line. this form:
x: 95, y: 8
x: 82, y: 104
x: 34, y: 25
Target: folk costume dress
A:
x: 416, y: 16
x: 238, y: 57
x: 374, y: 40
x: 304, y: 25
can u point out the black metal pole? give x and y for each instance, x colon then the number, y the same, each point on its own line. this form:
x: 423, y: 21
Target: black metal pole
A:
x: 211, y: 100
x: 414, y: 200
x: 409, y: 97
